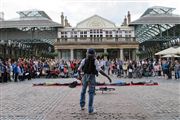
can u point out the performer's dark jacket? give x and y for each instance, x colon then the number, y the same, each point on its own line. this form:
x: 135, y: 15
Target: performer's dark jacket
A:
x: 89, y: 67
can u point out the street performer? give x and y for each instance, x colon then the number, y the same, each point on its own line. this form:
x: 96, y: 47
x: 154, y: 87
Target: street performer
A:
x: 90, y: 66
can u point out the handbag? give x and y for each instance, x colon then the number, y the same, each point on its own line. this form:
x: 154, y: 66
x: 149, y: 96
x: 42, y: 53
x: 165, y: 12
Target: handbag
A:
x: 130, y: 70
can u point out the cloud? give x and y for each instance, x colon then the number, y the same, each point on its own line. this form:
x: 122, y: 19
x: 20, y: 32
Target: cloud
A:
x: 78, y: 10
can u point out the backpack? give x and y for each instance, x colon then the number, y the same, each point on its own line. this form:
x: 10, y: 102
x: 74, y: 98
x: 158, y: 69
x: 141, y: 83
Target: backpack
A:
x: 73, y: 84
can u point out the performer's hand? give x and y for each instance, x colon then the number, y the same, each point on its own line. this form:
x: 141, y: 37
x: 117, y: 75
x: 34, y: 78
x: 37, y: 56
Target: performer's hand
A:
x: 109, y: 79
x: 79, y: 75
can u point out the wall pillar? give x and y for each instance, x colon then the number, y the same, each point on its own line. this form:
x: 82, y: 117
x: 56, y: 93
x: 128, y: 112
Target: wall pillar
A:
x: 105, y: 50
x: 134, y: 54
x: 59, y: 55
x: 121, y: 54
x: 137, y: 57
x: 72, y: 54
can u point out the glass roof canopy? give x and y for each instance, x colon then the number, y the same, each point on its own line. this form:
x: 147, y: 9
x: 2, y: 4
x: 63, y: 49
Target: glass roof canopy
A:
x: 155, y: 21
x: 158, y: 10
x: 34, y: 22
x: 33, y: 13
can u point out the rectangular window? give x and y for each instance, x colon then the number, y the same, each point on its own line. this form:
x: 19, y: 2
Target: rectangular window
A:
x: 94, y: 31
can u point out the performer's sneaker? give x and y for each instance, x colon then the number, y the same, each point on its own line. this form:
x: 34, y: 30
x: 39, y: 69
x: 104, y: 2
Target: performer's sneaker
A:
x: 93, y: 112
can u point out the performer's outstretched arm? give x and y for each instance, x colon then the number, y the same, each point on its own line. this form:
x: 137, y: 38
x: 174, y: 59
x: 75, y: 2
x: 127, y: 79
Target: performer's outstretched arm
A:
x: 104, y: 74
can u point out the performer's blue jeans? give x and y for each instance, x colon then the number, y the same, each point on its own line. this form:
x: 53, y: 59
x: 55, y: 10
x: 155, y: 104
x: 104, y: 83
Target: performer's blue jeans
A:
x: 88, y: 79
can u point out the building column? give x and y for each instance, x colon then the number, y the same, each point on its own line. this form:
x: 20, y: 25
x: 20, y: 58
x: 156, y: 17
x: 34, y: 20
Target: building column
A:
x: 57, y: 57
x: 121, y: 54
x: 4, y: 51
x: 136, y: 51
x: 59, y: 54
x: 105, y: 50
x: 134, y: 54
x: 72, y: 54
x: 36, y: 50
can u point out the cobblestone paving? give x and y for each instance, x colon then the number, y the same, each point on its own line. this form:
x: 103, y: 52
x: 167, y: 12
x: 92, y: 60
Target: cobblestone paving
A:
x: 22, y: 101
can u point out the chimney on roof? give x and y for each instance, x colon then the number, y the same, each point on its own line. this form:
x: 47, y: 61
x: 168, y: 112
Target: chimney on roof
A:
x: 1, y: 16
x: 125, y: 21
x: 129, y: 17
x: 62, y: 19
x: 66, y: 22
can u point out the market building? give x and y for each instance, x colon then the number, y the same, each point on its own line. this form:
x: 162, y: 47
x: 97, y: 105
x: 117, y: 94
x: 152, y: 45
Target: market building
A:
x: 34, y: 33
x: 98, y: 33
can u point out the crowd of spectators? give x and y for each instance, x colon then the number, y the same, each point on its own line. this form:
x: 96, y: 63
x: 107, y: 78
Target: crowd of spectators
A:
x: 22, y: 69
x: 145, y: 68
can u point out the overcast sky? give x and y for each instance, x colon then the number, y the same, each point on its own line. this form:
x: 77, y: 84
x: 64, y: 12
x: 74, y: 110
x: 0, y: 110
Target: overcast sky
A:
x: 78, y: 10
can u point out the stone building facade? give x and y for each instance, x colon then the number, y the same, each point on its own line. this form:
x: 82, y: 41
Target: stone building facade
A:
x: 99, y: 33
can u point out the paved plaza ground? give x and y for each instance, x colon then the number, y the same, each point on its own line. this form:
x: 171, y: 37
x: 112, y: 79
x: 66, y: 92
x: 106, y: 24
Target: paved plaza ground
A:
x: 22, y: 101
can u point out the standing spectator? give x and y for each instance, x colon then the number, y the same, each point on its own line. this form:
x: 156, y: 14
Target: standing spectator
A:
x: 8, y: 71
x: 130, y: 69
x: 177, y: 69
x: 108, y: 63
x: 125, y: 65
x: 21, y: 72
x: 157, y: 69
x: 1, y: 68
x: 3, y: 72
x: 15, y: 70
x: 165, y: 68
x: 119, y: 68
